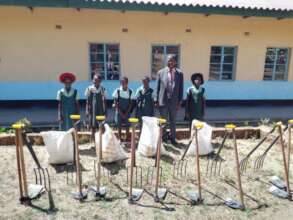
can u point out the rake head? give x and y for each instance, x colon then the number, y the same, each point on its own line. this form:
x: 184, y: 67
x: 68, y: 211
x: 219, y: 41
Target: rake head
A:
x: 179, y: 169
x: 243, y: 164
x: 42, y: 177
x: 105, y: 173
x: 151, y: 175
x: 137, y: 174
x: 259, y: 161
x: 214, y: 166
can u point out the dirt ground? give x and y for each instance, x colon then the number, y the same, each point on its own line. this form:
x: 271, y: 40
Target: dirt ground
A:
x: 260, y: 204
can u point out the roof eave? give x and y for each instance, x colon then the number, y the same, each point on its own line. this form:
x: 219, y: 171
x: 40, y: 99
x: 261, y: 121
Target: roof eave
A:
x: 149, y: 7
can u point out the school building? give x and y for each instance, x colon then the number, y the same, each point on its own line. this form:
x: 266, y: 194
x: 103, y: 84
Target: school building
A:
x: 242, y: 47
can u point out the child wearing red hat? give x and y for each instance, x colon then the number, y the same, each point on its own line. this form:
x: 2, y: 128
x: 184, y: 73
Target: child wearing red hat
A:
x: 67, y: 101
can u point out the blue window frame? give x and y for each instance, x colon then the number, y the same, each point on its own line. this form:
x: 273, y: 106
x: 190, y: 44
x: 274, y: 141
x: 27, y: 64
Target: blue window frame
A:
x: 105, y: 60
x: 159, y: 57
x: 222, y: 63
x: 276, y: 63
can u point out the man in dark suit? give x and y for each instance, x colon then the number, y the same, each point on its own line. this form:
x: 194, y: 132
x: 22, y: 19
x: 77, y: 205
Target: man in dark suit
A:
x: 169, y: 94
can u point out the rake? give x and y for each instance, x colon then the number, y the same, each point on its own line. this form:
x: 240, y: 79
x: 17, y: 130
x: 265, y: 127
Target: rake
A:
x: 134, y: 193
x: 180, y: 166
x: 259, y: 161
x: 290, y: 123
x: 244, y: 161
x: 81, y: 193
x: 42, y: 177
x: 100, y: 191
x: 215, y: 167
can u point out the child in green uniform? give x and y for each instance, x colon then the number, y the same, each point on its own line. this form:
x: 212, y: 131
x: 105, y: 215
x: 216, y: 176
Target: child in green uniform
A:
x: 145, y: 99
x: 95, y: 102
x: 195, y: 101
x: 123, y: 102
x: 67, y: 101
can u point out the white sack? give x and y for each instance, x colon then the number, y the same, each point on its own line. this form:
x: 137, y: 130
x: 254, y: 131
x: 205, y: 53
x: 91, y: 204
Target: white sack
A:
x: 111, y: 146
x: 204, y: 140
x: 149, y: 136
x: 59, y: 145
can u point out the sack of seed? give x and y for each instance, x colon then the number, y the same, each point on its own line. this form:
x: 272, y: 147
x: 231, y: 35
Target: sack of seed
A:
x: 204, y: 139
x: 147, y: 145
x: 111, y: 147
x: 59, y: 145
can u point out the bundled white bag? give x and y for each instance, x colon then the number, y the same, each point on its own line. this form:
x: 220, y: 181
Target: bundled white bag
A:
x: 111, y: 146
x: 204, y: 140
x: 148, y: 141
x: 59, y: 145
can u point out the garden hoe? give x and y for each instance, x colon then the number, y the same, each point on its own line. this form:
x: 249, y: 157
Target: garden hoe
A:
x: 160, y: 193
x: 230, y: 128
x: 134, y: 193
x: 42, y: 177
x: 100, y: 191
x: 195, y: 197
x: 81, y: 193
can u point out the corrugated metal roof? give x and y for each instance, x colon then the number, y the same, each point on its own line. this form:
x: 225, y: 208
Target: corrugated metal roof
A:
x: 282, y: 5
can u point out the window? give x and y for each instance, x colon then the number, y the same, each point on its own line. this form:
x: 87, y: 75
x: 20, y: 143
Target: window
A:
x: 159, y: 57
x: 222, y: 63
x: 105, y: 59
x: 276, y: 64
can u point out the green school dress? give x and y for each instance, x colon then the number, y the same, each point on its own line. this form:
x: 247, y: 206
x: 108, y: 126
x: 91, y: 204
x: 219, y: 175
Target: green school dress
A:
x: 195, y: 103
x: 95, y: 97
x: 145, y: 102
x: 124, y: 100
x: 68, y: 107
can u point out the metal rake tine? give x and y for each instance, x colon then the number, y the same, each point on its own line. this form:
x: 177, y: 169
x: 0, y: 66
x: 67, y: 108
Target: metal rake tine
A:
x: 36, y: 176
x: 49, y: 181
x: 219, y: 170
x: 39, y: 172
x: 44, y: 176
x: 207, y: 167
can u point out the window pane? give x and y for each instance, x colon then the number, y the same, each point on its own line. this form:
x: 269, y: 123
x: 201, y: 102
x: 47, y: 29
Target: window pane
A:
x: 227, y: 75
x: 282, y: 56
x: 216, y: 50
x: 215, y: 59
x: 214, y: 75
x: 106, y: 64
x: 215, y: 68
x: 228, y: 67
x: 159, y: 57
x: 228, y: 59
x: 276, y: 64
x: 229, y: 50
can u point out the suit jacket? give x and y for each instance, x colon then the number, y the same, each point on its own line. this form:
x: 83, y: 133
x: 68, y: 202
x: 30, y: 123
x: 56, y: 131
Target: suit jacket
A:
x: 162, y: 81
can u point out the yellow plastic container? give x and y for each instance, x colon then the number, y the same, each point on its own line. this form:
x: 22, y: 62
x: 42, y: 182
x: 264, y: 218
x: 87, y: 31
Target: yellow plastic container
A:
x: 290, y: 122
x: 74, y: 117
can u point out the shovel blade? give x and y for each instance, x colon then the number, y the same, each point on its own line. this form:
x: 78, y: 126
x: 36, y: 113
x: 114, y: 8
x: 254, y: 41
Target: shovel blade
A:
x: 162, y: 193
x: 101, y: 193
x: 233, y: 204
x: 193, y: 197
x: 80, y: 196
x: 136, y: 194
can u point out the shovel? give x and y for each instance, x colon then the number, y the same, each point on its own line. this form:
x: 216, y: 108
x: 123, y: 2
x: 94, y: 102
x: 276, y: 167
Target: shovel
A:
x: 230, y: 202
x: 134, y: 193
x: 160, y: 193
x: 81, y: 193
x: 195, y: 197
x: 42, y: 177
x: 100, y: 191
